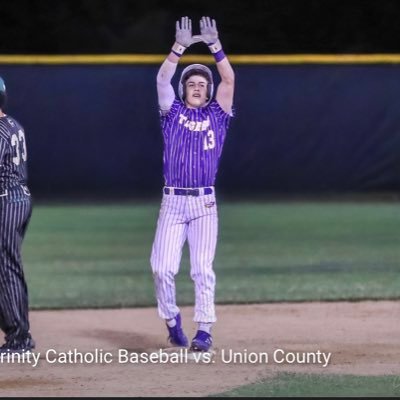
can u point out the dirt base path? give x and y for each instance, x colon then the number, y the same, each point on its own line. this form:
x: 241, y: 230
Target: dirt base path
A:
x: 120, y: 352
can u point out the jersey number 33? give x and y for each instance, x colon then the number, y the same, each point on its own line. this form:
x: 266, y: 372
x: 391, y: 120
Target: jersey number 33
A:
x: 19, y: 145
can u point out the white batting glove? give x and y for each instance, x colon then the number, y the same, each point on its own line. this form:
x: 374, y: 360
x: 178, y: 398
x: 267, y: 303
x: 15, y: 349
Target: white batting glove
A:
x: 209, y: 34
x: 208, y: 30
x: 183, y: 36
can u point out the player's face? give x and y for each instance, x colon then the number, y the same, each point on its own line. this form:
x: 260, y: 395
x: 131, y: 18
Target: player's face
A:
x: 196, y: 91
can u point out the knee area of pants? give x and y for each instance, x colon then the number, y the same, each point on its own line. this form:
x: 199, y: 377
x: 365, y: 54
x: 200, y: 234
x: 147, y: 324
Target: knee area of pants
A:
x: 203, y: 276
x: 163, y: 275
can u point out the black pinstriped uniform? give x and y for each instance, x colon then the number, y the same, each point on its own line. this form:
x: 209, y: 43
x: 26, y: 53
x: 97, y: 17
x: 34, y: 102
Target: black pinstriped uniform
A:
x: 15, y: 212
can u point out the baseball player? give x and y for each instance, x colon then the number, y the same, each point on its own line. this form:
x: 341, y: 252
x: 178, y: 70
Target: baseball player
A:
x: 15, y: 212
x: 194, y: 127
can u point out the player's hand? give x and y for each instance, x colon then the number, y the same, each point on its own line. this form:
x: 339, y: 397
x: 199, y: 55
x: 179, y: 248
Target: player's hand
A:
x: 208, y: 30
x: 183, y: 34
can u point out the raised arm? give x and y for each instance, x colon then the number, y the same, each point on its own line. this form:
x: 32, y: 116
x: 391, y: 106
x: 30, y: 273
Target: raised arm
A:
x: 225, y: 90
x: 183, y: 39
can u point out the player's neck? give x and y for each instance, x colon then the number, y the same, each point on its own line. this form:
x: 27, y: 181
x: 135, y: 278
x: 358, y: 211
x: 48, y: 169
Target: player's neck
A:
x: 1, y: 113
x: 194, y: 107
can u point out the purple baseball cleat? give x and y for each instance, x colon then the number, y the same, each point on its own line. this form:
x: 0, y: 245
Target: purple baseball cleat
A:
x: 201, y: 342
x: 176, y: 335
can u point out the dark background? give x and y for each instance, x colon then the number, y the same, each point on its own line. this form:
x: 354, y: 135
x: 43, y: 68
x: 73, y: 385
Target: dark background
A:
x: 248, y: 26
x: 93, y: 130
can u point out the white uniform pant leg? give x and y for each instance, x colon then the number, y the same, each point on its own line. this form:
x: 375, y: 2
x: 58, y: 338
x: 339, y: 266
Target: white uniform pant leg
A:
x: 14, y: 218
x: 167, y: 253
x: 202, y: 239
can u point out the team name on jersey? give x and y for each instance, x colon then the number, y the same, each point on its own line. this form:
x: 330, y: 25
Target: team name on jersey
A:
x: 196, y: 126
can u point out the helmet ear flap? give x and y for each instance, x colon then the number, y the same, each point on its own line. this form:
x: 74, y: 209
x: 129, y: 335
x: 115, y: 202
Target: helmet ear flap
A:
x: 209, y: 89
x: 3, y: 99
x: 3, y: 93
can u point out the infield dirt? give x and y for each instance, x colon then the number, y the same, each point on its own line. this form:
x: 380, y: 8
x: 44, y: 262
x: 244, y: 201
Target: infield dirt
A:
x: 108, y: 352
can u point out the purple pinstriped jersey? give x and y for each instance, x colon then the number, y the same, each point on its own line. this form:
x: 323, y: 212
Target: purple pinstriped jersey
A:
x: 13, y: 155
x: 193, y: 141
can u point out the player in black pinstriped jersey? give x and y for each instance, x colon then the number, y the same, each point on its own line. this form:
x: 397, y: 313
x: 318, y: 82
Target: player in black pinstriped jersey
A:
x: 15, y: 212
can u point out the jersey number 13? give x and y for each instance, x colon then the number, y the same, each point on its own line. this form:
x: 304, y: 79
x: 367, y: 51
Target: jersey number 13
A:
x: 209, y: 140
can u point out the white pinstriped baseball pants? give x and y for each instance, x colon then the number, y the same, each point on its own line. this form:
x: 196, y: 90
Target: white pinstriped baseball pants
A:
x: 195, y: 219
x: 15, y: 212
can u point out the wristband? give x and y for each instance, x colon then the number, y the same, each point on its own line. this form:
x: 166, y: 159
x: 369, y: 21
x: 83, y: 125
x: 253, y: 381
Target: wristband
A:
x: 216, y: 50
x: 178, y: 49
x: 220, y: 55
x: 215, y: 47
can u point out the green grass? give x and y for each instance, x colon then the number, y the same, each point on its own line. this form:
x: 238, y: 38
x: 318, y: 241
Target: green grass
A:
x: 98, y: 255
x: 312, y: 385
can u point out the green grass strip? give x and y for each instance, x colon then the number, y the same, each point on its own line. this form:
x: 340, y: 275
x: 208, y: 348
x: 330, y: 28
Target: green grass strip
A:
x: 313, y: 385
x: 99, y: 255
